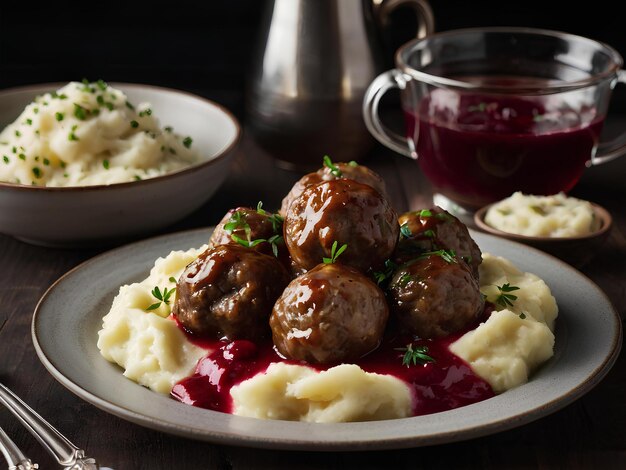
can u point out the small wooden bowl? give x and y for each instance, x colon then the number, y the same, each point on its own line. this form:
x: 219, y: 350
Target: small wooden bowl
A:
x: 576, y: 251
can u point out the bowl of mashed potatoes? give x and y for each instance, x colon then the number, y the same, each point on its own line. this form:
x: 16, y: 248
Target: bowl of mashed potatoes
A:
x: 87, y: 162
x: 570, y: 228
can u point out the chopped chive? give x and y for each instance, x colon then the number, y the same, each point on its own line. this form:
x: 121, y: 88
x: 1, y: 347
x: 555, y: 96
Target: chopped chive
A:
x: 18, y: 134
x: 187, y: 141
x: 29, y: 122
x: 105, y: 164
x: 21, y: 156
x: 59, y: 116
x: 6, y: 159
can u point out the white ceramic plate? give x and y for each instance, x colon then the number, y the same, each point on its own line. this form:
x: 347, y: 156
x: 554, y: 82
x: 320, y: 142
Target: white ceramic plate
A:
x: 68, y: 317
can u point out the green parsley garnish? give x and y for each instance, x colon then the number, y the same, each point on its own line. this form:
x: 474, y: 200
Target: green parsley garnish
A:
x: 446, y: 217
x: 37, y: 172
x: 162, y: 296
x: 129, y: 106
x: 382, y: 276
x: 18, y: 133
x: 46, y: 161
x: 71, y: 136
x: 80, y: 112
x: 425, y: 213
x: 404, y: 280
x: 334, y: 169
x: 59, y: 116
x: 405, y: 231
x: 334, y: 253
x: 21, y: 156
x: 237, y: 221
x: 415, y: 355
x: 168, y: 129
x: 134, y: 124
x: 6, y: 159
x: 187, y: 141
x: 522, y: 315
x: 505, y: 299
x: 29, y: 122
x: 449, y: 256
x: 101, y: 84
x: 276, y: 219
x: 106, y: 164
x: 145, y: 112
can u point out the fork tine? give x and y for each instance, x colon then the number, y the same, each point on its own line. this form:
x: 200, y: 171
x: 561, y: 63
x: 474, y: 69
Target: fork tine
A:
x: 13, y: 455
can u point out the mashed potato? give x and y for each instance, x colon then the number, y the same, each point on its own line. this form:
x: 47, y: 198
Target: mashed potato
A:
x: 147, y: 344
x: 504, y: 350
x: 87, y: 134
x: 543, y: 216
x: 340, y: 394
x: 516, y: 338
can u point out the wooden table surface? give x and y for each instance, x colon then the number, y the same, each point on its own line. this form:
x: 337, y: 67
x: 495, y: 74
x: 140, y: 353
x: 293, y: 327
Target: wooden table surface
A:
x: 590, y: 433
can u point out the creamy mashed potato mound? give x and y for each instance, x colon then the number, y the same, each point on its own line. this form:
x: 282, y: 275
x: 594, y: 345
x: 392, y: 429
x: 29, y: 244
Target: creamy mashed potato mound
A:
x: 148, y: 344
x: 340, y: 394
x: 543, y: 216
x: 89, y: 134
x: 504, y: 351
x: 515, y: 340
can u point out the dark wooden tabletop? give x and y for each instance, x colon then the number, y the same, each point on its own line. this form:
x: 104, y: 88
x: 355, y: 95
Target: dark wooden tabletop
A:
x: 590, y: 433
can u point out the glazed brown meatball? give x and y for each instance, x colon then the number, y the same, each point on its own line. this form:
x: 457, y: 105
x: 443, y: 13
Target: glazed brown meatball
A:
x: 436, y: 229
x: 247, y: 224
x: 435, y: 296
x: 345, y: 212
x: 228, y: 292
x: 353, y: 171
x: 333, y: 313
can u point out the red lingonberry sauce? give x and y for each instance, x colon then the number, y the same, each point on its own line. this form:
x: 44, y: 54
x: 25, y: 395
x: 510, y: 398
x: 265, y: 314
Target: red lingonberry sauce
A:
x: 479, y: 149
x: 443, y: 385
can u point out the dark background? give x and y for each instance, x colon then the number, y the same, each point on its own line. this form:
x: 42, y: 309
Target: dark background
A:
x: 205, y: 47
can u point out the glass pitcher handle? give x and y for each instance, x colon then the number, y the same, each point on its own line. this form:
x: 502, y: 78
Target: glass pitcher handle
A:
x: 421, y: 8
x: 379, y: 86
x: 612, y: 149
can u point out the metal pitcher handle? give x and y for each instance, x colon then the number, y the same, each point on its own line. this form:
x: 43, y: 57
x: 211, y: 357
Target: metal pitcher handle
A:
x: 421, y: 8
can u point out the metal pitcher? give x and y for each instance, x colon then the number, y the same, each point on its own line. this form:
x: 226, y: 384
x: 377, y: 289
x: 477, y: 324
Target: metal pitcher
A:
x: 315, y: 60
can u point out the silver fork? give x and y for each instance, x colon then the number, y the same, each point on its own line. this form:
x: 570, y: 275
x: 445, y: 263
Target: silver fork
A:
x: 65, y: 453
x: 13, y: 455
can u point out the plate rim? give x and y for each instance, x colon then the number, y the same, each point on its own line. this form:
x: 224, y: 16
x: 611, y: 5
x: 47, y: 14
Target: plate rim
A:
x: 225, y: 436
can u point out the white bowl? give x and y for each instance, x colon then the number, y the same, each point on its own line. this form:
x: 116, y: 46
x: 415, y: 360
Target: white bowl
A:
x: 86, y: 215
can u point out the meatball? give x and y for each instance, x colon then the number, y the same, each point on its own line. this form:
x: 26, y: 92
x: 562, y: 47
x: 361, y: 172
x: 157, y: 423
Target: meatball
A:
x: 436, y: 229
x: 332, y: 313
x: 247, y: 225
x: 228, y: 292
x: 435, y: 296
x: 352, y: 170
x: 345, y: 212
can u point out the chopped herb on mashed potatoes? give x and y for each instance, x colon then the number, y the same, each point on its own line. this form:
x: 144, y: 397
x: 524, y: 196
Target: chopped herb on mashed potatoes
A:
x: 89, y: 134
